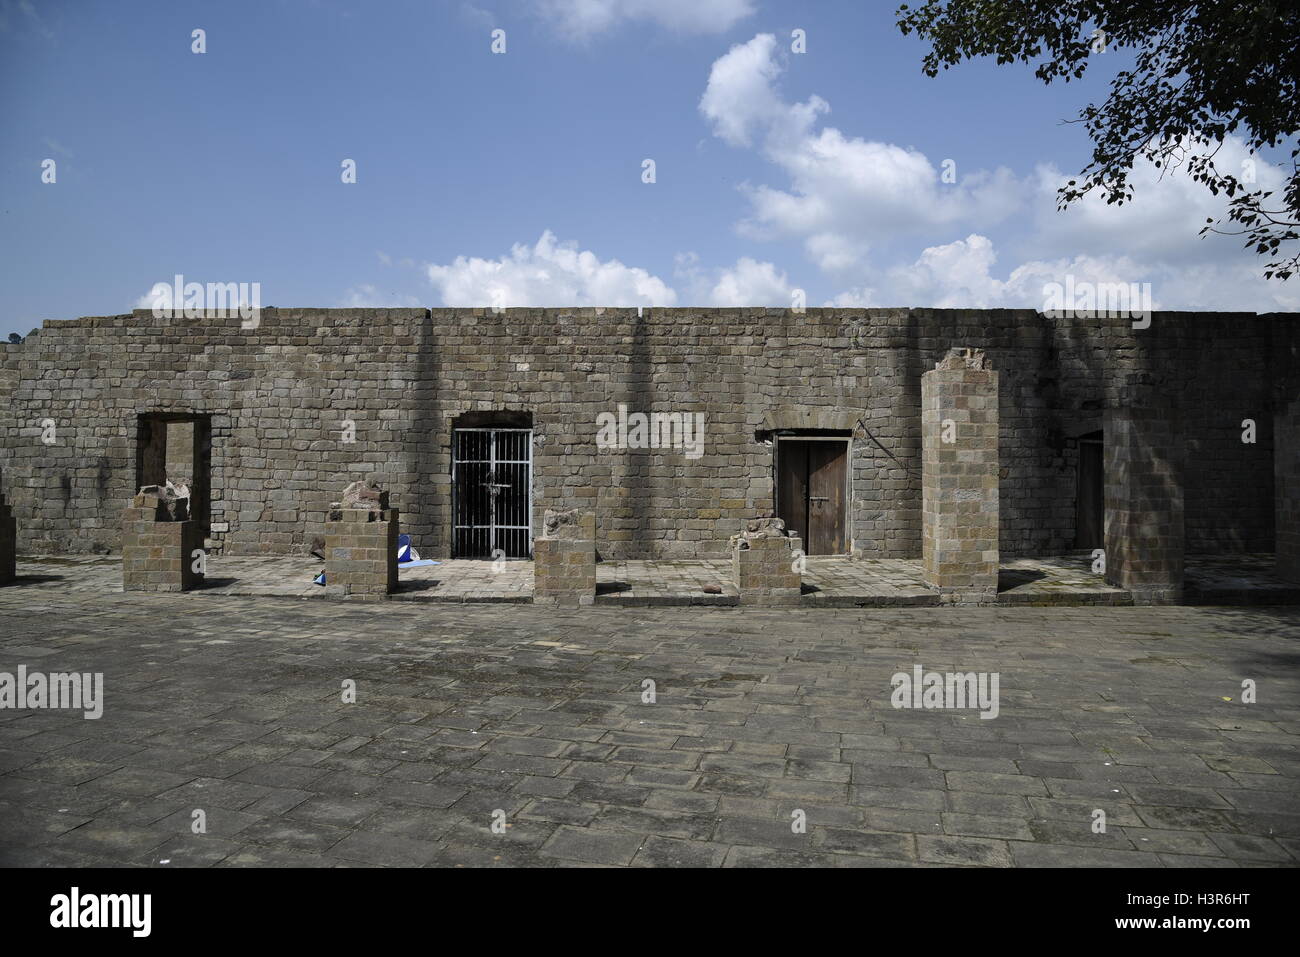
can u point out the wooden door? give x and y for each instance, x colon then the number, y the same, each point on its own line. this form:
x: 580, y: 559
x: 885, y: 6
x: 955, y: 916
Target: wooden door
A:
x: 826, y: 512
x: 811, y: 481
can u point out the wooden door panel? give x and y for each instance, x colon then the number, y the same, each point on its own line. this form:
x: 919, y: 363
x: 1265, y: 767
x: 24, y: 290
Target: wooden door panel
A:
x: 826, y: 476
x: 792, y: 486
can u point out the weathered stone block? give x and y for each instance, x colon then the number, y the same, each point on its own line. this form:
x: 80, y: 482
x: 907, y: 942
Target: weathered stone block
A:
x: 160, y: 554
x: 361, y: 549
x: 960, y: 478
x: 564, y: 559
x: 764, y: 565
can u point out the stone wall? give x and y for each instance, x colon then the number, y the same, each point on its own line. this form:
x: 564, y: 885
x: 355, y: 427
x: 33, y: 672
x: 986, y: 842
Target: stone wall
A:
x: 281, y: 396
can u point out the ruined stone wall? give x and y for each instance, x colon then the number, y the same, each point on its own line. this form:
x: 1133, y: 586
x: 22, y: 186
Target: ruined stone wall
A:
x: 281, y: 397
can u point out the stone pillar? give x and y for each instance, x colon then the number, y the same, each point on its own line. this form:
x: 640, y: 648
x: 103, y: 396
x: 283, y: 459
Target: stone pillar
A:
x: 959, y: 482
x: 159, y: 541
x: 1286, y: 486
x: 1144, y: 456
x: 8, y: 542
x: 361, y: 545
x: 764, y: 564
x: 564, y: 559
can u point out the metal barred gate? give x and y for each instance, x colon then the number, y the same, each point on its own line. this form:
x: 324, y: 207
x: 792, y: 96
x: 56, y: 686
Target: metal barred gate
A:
x: 492, y: 500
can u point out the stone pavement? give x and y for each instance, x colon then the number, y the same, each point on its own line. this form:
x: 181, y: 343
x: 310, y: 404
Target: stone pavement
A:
x: 827, y: 582
x: 466, y: 715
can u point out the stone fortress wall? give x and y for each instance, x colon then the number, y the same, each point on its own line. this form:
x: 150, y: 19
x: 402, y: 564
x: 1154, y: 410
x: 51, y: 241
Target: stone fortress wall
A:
x: 277, y: 398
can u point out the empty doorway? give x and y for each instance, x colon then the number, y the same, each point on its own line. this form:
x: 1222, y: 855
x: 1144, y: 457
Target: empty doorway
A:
x: 1090, y: 507
x: 176, y: 447
x: 812, y: 491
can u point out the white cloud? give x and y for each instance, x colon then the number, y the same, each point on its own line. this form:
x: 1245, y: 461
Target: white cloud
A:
x: 750, y: 283
x: 1155, y: 238
x: 845, y: 193
x: 747, y: 283
x: 848, y: 199
x: 1161, y: 223
x: 961, y: 274
x: 367, y: 296
x: 550, y: 273
x: 740, y: 99
x: 585, y: 18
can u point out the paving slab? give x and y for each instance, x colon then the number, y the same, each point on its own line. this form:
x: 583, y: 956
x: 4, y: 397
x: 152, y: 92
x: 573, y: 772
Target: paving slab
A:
x: 317, y: 733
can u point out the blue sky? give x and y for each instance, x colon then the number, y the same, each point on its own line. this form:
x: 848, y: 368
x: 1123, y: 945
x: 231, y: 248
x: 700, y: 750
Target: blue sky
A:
x: 516, y: 178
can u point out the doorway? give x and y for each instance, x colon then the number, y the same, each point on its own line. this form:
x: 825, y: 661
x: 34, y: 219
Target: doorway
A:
x: 1090, y: 508
x: 812, y: 491
x: 176, y: 447
x: 492, y: 481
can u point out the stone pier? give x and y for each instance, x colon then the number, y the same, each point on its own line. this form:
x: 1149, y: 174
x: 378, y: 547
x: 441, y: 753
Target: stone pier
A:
x: 959, y: 483
x: 361, y: 545
x: 765, y: 563
x: 162, y: 547
x: 564, y: 559
x: 1144, y: 458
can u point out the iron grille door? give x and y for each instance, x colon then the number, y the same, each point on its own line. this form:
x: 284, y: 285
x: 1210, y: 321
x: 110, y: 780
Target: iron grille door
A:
x: 492, y: 481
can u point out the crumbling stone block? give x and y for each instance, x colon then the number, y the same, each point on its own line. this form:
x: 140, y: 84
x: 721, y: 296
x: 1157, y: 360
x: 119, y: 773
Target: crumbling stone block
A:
x: 959, y: 478
x: 764, y: 564
x: 173, y: 501
x: 564, y: 559
x: 361, y: 544
x: 367, y: 495
x: 162, y: 548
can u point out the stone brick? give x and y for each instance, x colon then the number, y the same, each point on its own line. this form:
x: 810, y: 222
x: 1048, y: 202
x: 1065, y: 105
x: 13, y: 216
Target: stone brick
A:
x: 765, y: 568
x: 361, y: 552
x: 564, y: 559
x: 960, y: 479
x: 159, y: 555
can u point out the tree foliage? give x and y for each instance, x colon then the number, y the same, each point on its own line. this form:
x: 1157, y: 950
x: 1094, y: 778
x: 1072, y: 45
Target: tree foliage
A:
x: 1200, y: 71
